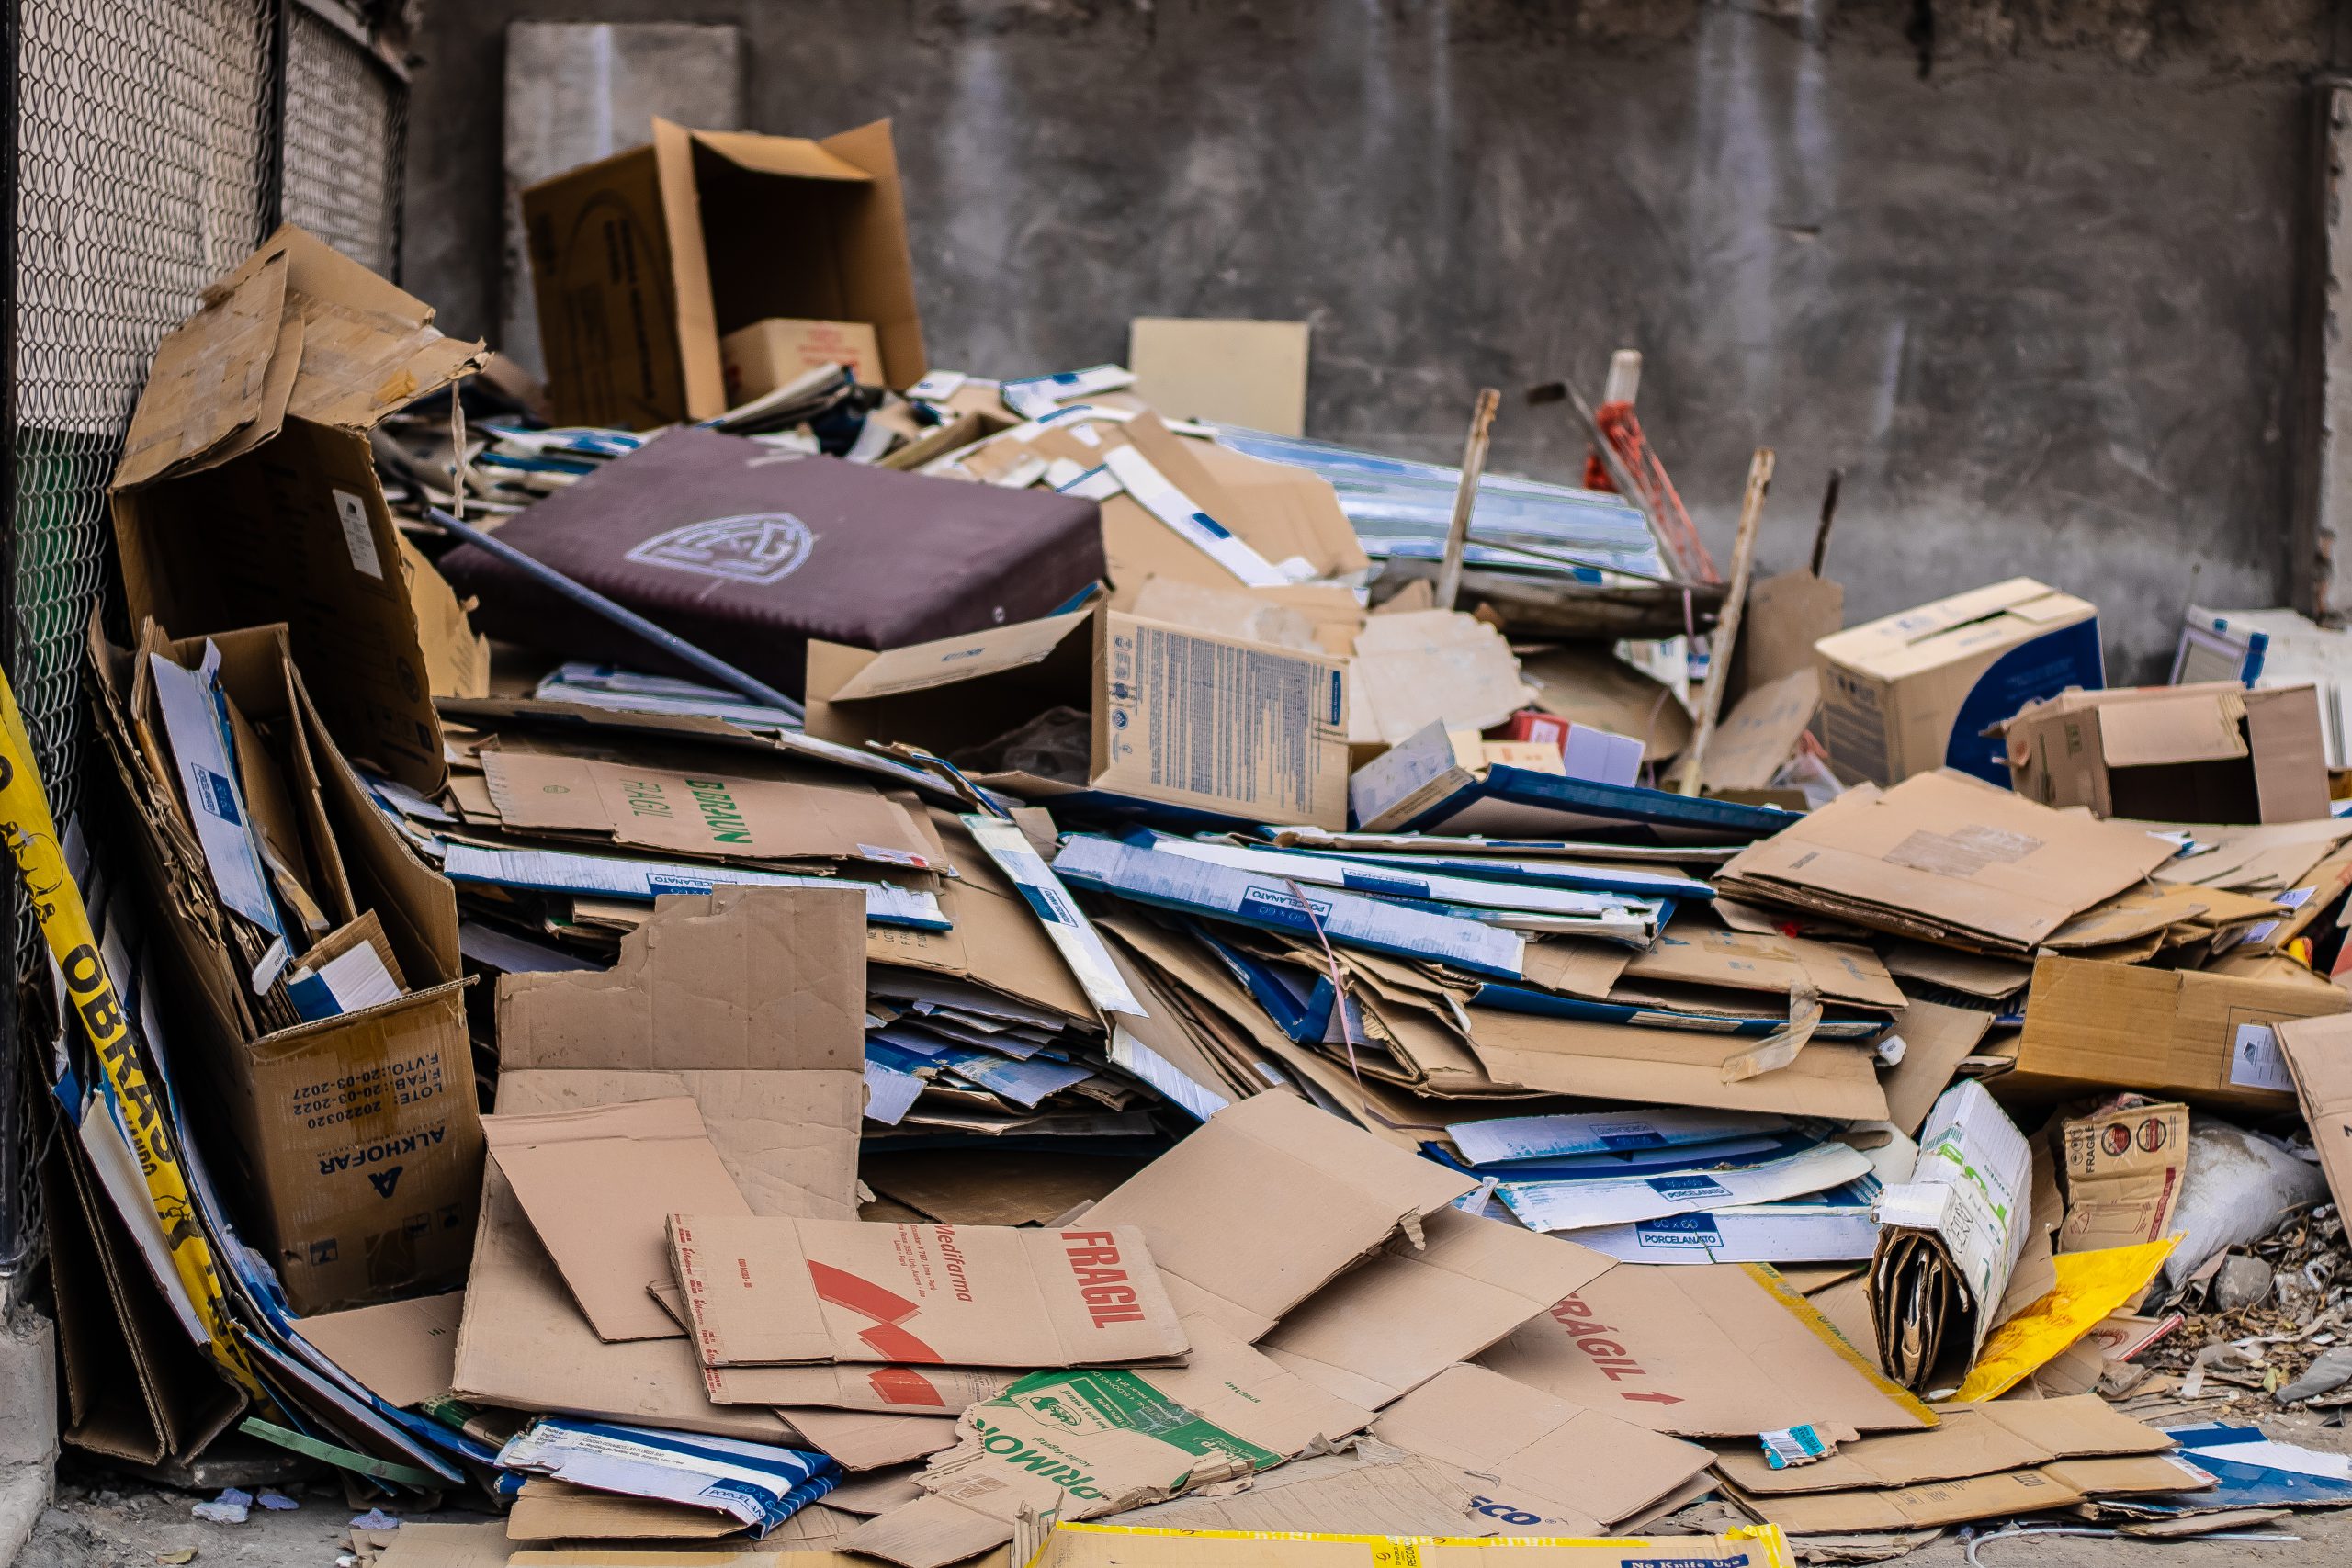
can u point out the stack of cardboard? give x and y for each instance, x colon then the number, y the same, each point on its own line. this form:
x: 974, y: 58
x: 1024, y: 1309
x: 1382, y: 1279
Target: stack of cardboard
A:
x: 1175, y: 1037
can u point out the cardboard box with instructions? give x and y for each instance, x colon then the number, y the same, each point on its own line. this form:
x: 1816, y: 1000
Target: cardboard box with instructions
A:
x: 247, y: 494
x: 642, y: 261
x: 1917, y: 691
x: 2215, y: 752
x: 1226, y: 726
x: 355, y: 1136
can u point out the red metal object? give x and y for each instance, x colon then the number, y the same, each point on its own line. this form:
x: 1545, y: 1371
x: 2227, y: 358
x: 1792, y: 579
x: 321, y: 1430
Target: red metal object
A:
x: 1623, y: 432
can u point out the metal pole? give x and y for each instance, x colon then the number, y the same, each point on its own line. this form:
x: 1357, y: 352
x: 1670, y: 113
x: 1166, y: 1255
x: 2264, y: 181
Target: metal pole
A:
x: 628, y: 620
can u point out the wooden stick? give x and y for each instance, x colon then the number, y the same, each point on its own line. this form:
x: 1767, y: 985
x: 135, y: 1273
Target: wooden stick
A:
x: 1828, y: 515
x: 1465, y: 496
x: 1726, y: 638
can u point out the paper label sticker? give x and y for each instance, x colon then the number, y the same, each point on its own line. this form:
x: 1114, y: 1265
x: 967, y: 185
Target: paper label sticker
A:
x: 2256, y: 1061
x: 358, y: 536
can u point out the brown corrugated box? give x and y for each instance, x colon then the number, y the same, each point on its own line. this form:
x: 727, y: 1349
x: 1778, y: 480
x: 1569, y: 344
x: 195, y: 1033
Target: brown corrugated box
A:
x: 642, y: 261
x: 2215, y: 752
x: 2205, y: 1038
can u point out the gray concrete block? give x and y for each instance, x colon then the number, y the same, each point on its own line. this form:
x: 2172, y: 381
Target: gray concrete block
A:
x: 580, y: 91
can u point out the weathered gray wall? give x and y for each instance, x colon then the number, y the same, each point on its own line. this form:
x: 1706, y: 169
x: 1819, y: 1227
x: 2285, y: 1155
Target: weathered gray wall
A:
x: 2039, y: 302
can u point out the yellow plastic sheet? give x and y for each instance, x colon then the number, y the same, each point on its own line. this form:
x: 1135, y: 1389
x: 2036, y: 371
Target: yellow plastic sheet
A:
x: 2091, y: 1286
x: 30, y: 834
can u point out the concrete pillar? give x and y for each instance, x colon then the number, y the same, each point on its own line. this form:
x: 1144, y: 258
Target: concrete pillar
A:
x: 2320, y: 568
x: 27, y: 1426
x: 580, y: 91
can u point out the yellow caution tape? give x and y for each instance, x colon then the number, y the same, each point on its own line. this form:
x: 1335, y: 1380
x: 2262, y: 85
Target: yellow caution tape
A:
x: 31, y: 836
x: 2091, y: 1286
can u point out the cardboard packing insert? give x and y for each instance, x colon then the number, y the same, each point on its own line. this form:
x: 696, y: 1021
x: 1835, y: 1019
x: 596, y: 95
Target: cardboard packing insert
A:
x: 1174, y: 715
x: 642, y: 261
x: 358, y: 1135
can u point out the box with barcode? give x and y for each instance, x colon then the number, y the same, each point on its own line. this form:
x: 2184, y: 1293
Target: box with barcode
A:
x: 2190, y: 1034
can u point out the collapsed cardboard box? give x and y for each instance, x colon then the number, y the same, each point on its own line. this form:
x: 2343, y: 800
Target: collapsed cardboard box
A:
x: 1216, y: 724
x: 1947, y: 859
x: 358, y: 1135
x: 2207, y: 754
x: 247, y: 494
x: 1917, y: 690
x: 642, y: 261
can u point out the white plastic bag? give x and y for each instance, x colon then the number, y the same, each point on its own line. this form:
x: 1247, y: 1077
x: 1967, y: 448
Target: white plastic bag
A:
x: 2234, y: 1191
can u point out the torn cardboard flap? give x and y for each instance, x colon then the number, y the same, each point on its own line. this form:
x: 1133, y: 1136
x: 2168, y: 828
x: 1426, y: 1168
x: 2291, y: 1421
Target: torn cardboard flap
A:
x: 402, y: 1352
x: 768, y: 978
x: 1760, y: 733
x: 1083, y: 1443
x: 1378, y: 1331
x: 1642, y: 1066
x: 598, y: 1185
x: 1714, y: 1349
x: 1977, y: 1438
x: 1580, y: 1471
x: 1430, y: 666
x: 1319, y: 1195
x: 524, y: 1344
x: 764, y: 1291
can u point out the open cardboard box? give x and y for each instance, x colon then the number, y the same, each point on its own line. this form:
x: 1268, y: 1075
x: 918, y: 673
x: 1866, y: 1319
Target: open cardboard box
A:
x: 1187, y: 719
x: 357, y: 1136
x: 643, y: 261
x: 247, y: 494
x: 2214, y: 753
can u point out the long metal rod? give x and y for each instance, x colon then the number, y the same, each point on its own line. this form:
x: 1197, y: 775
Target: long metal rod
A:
x: 626, y: 619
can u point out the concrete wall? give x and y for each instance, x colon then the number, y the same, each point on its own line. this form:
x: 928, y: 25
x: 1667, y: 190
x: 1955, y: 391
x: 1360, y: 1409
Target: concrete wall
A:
x: 2026, y: 268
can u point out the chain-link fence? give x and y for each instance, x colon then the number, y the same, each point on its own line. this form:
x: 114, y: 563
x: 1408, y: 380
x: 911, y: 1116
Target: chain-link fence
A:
x: 141, y: 158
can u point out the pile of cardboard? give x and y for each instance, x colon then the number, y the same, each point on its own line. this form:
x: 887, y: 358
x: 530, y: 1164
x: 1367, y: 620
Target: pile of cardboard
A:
x: 1137, y: 1016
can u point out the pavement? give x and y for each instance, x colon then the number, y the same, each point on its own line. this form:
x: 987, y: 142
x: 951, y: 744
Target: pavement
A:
x: 27, y: 1428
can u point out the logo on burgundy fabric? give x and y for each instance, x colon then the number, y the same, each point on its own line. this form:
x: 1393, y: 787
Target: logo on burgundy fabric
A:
x: 761, y: 546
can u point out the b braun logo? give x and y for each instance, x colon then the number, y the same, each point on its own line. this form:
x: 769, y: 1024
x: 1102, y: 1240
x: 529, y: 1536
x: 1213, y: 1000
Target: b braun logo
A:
x: 760, y: 547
